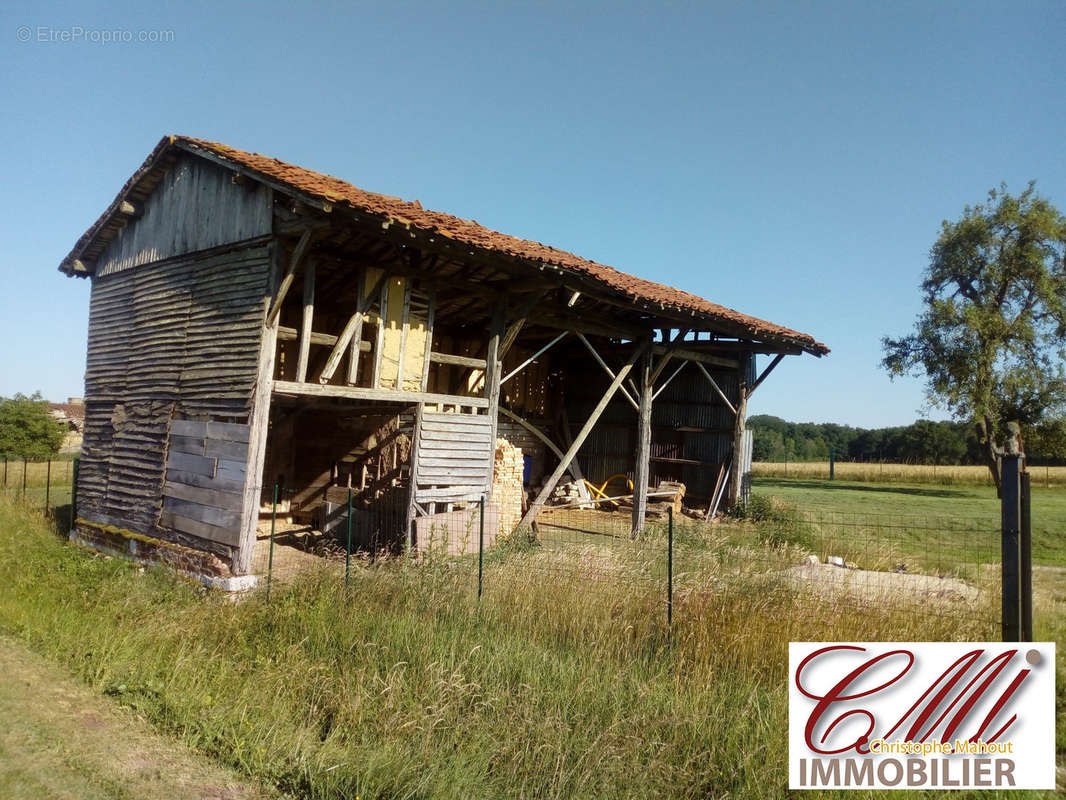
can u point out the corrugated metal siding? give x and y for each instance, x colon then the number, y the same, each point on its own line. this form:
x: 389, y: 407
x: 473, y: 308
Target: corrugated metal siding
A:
x: 178, y: 338
x: 196, y: 206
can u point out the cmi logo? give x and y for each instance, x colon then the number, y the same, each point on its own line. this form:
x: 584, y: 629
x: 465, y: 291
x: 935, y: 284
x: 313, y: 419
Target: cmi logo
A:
x: 921, y: 715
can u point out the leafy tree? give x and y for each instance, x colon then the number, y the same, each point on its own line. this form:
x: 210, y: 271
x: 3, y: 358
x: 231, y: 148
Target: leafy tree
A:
x: 991, y: 340
x: 1048, y: 439
x: 27, y: 429
x: 927, y: 442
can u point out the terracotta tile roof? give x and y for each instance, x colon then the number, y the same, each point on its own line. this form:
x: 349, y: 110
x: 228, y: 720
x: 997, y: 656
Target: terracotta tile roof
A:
x: 71, y: 410
x: 341, y: 193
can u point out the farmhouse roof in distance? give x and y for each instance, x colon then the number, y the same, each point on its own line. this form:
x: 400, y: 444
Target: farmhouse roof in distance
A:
x: 333, y: 194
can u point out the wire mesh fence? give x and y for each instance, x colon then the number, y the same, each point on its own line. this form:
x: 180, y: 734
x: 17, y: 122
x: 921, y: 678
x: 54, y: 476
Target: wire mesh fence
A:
x: 44, y: 484
x: 822, y: 560
x: 911, y: 565
x: 814, y: 561
x: 589, y: 545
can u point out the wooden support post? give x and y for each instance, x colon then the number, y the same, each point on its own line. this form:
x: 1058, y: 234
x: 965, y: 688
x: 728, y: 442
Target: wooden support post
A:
x: 355, y: 350
x: 290, y: 273
x: 533, y: 357
x: 383, y: 311
x: 308, y: 318
x: 516, y: 327
x: 431, y: 310
x: 716, y: 387
x: 259, y: 425
x: 766, y: 372
x: 736, y: 477
x: 575, y: 466
x: 666, y: 383
x: 405, y: 319
x: 606, y: 369
x: 579, y: 440
x: 641, y: 471
x: 353, y: 332
x: 493, y: 368
x: 679, y: 337
x: 412, y: 486
x: 506, y: 342
x: 529, y: 426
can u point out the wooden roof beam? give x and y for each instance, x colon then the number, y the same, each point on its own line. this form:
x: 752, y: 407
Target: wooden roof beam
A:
x: 290, y: 274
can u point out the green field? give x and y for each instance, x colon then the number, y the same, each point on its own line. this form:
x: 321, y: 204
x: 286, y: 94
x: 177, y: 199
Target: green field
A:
x: 968, y: 516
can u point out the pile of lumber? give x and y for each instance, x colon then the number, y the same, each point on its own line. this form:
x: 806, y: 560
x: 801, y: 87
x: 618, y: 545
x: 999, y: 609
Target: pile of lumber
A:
x: 507, y: 492
x: 568, y: 492
x: 658, y: 507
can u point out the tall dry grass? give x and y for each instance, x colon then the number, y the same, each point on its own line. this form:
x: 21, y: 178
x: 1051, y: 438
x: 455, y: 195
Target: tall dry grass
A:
x: 403, y: 685
x: 899, y: 473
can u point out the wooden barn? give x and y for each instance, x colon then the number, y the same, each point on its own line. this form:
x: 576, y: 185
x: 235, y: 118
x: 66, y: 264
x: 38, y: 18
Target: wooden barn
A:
x: 253, y: 324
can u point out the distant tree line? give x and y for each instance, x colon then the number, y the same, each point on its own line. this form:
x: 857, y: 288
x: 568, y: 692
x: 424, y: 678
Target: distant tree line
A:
x: 922, y: 442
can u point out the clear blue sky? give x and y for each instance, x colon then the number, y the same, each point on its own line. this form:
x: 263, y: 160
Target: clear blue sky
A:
x: 792, y: 160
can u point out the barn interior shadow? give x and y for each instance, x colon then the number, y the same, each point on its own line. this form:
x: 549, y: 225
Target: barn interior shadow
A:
x: 841, y: 486
x: 62, y: 520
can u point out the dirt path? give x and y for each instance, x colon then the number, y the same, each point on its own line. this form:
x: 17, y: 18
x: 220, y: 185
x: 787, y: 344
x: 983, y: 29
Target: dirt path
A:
x: 60, y: 740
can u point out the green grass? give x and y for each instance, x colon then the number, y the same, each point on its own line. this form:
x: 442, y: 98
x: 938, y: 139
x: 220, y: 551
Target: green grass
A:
x: 61, y: 740
x: 403, y: 686
x: 968, y: 517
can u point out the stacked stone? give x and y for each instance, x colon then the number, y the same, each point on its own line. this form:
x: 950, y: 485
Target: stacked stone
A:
x: 507, y: 491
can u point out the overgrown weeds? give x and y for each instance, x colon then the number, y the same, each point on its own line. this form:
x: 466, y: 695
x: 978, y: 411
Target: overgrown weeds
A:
x: 779, y: 524
x: 404, y: 686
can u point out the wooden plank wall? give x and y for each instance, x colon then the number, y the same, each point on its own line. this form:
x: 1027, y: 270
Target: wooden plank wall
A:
x: 455, y: 453
x: 196, y: 206
x: 178, y: 339
x: 206, y: 466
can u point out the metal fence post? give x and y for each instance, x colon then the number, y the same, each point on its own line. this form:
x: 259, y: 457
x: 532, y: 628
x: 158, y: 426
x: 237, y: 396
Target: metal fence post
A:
x: 48, y: 488
x: 24, y: 470
x: 670, y: 566
x: 1011, y: 547
x: 480, y: 546
x: 270, y: 557
x: 832, y: 464
x: 1026, y: 553
x: 5, y: 472
x: 348, y: 546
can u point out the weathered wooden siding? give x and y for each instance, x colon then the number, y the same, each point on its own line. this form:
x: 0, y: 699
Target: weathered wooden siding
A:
x: 175, y: 340
x: 197, y: 206
x: 205, y: 472
x: 454, y: 457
